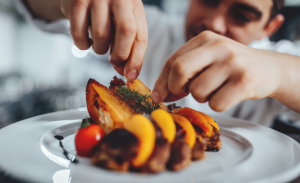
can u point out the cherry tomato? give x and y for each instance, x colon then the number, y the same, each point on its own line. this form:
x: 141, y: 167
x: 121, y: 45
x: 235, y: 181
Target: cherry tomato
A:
x: 87, y: 138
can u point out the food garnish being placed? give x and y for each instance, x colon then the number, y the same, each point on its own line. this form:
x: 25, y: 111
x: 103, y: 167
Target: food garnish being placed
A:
x: 142, y: 136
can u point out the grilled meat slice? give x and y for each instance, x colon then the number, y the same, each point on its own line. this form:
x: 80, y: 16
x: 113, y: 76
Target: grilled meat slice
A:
x: 115, y: 150
x: 215, y: 141
x: 173, y: 106
x: 160, y: 156
x: 199, y: 147
x: 198, y: 150
x: 180, y: 155
x: 180, y: 151
x: 212, y: 143
x: 115, y: 83
x: 180, y: 133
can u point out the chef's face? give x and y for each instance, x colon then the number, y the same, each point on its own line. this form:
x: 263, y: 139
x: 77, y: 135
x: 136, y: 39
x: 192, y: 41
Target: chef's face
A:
x: 240, y: 20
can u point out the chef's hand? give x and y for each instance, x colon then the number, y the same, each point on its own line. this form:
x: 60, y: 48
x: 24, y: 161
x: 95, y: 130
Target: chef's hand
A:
x: 120, y: 24
x: 219, y: 70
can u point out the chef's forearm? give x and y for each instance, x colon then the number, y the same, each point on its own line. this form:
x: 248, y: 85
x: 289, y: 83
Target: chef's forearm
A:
x: 288, y: 92
x: 49, y: 10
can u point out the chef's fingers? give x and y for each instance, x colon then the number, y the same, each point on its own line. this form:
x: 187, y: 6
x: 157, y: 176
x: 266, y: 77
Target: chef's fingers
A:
x: 101, y: 30
x: 235, y: 90
x: 204, y: 38
x: 209, y: 81
x: 135, y: 61
x: 188, y: 66
x: 125, y: 31
x: 119, y: 67
x: 205, y: 83
x: 171, y: 97
x: 161, y: 90
x: 161, y: 87
x: 79, y: 24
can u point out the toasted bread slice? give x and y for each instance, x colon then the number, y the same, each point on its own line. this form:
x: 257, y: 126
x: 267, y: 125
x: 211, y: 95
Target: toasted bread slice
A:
x: 105, y: 107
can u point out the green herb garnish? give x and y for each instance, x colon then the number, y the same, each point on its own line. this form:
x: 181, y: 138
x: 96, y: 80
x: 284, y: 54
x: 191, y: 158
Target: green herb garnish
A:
x: 138, y: 101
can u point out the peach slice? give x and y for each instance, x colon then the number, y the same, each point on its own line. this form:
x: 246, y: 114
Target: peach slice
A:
x: 166, y: 123
x: 190, y: 135
x: 210, y: 120
x: 105, y: 107
x: 141, y: 127
x: 138, y: 85
x: 196, y: 118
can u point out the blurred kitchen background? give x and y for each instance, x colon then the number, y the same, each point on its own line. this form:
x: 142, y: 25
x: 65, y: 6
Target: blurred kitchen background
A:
x: 40, y: 74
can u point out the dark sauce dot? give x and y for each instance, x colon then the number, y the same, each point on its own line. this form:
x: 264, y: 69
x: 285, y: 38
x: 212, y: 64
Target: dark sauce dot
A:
x: 59, y: 137
x: 65, y: 152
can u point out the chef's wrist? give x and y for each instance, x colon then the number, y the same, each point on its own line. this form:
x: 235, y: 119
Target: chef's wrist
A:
x: 288, y: 89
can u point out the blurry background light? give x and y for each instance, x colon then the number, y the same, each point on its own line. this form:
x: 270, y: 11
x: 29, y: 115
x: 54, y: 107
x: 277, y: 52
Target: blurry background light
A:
x: 42, y: 83
x: 72, y: 102
x: 26, y: 85
x: 79, y: 53
x: 60, y: 101
x: 12, y: 89
x: 62, y: 176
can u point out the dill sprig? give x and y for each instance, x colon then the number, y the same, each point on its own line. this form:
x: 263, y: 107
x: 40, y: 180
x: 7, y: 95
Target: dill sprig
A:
x: 138, y: 101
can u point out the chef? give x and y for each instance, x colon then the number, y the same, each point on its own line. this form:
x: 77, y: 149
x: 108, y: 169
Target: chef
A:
x: 209, y: 61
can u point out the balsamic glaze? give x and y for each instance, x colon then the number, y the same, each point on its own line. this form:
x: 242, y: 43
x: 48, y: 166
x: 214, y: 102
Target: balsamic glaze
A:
x: 59, y: 137
x: 65, y: 152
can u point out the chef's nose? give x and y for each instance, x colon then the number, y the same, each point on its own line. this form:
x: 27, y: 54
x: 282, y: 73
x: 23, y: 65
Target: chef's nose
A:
x: 217, y: 23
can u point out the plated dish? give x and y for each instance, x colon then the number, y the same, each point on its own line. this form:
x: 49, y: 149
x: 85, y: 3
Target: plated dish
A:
x: 42, y: 149
x: 142, y: 136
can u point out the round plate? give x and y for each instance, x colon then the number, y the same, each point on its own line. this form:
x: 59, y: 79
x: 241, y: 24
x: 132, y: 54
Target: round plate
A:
x: 250, y: 153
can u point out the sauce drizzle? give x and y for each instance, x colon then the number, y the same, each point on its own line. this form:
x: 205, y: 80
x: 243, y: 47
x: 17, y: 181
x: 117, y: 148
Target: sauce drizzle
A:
x: 65, y: 152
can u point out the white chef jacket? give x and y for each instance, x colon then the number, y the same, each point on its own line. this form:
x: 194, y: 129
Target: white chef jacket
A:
x: 166, y: 35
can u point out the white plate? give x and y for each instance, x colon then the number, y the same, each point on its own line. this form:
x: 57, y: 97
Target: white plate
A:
x: 250, y: 153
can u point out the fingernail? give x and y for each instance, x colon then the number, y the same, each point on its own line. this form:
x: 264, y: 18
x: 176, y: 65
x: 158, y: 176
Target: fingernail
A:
x: 132, y: 74
x: 155, y: 97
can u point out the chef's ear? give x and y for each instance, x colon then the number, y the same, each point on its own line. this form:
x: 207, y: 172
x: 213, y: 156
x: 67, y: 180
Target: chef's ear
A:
x: 272, y: 26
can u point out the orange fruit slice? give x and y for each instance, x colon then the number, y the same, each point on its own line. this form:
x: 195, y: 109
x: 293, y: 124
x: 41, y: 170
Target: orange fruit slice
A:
x: 210, y: 120
x: 166, y: 123
x: 190, y: 135
x: 196, y: 118
x: 141, y: 127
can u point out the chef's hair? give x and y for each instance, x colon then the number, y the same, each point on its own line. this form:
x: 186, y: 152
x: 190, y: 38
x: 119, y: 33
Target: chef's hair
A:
x: 277, y: 5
